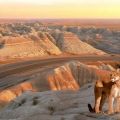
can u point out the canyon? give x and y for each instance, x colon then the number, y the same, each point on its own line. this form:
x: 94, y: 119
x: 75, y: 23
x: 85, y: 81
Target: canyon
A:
x: 48, y: 70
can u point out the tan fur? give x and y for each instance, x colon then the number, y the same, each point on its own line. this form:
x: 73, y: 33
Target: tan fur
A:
x: 114, y: 95
x: 106, y: 89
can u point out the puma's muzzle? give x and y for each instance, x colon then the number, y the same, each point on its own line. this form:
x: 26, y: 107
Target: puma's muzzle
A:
x: 115, y: 79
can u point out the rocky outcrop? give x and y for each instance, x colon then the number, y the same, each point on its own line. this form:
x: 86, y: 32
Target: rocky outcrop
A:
x: 71, y: 90
x: 69, y: 42
x: 54, y: 105
x: 9, y: 94
x: 37, y: 44
x: 70, y: 76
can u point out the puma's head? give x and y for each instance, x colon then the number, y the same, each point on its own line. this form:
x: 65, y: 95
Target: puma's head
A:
x: 115, y: 76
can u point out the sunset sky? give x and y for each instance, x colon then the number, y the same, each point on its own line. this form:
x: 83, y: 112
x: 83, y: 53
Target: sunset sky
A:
x: 60, y: 8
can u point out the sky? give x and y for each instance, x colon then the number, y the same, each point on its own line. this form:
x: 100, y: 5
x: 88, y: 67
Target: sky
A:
x: 60, y: 9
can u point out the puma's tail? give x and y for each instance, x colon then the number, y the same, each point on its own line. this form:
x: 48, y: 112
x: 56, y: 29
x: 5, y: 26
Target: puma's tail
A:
x: 90, y: 108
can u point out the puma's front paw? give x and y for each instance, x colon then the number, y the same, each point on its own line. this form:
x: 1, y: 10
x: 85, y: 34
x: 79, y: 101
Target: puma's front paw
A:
x: 97, y: 111
x: 110, y: 112
x: 117, y: 111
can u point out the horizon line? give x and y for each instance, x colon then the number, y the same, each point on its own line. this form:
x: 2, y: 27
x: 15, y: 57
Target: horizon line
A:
x: 26, y: 18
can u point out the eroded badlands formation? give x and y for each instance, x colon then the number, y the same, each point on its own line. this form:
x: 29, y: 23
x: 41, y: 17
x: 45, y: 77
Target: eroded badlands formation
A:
x: 20, y: 40
x: 28, y: 46
x: 70, y: 43
x: 103, y: 38
x: 43, y: 45
x: 55, y: 93
x: 36, y: 39
x: 73, y: 79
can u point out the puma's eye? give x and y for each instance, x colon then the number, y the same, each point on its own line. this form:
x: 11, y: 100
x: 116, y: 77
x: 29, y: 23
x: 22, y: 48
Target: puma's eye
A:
x: 110, y: 75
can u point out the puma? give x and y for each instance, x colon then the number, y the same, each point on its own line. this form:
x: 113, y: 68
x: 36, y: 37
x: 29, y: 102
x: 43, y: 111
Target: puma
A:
x: 114, y: 94
x: 106, y: 88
